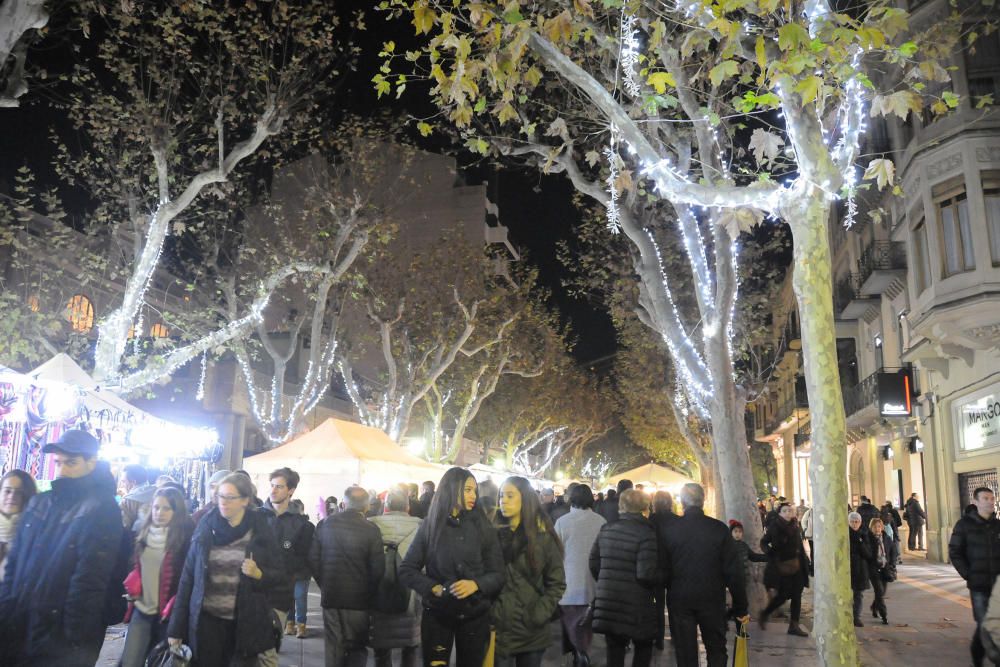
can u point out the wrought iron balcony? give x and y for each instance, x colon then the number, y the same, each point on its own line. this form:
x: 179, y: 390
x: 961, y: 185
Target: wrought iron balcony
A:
x: 866, y: 399
x: 862, y: 395
x: 881, y: 264
x: 848, y: 301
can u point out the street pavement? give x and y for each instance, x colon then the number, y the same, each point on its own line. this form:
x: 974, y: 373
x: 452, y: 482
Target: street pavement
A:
x: 930, y: 624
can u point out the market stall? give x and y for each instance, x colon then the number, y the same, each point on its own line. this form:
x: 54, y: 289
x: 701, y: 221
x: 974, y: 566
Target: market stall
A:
x: 338, y: 454
x: 653, y: 477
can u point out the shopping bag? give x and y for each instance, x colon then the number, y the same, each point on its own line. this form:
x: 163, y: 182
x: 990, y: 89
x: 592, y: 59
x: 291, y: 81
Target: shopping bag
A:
x: 163, y: 655
x: 491, y: 649
x: 741, y: 655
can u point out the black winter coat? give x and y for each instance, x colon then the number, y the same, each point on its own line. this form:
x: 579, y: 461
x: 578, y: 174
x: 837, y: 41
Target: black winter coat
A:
x: 783, y: 542
x: 974, y: 550
x: 703, y: 562
x: 466, y: 547
x: 254, y: 630
x: 913, y: 513
x: 624, y: 562
x: 868, y: 512
x: 529, y: 598
x: 60, y: 567
x: 294, y: 534
x: 861, y: 559
x: 609, y: 510
x: 347, y: 560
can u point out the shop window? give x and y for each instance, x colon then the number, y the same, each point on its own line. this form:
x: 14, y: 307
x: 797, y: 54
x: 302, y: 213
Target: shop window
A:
x: 159, y: 330
x: 80, y: 313
x: 954, y: 227
x: 991, y: 200
x: 922, y: 265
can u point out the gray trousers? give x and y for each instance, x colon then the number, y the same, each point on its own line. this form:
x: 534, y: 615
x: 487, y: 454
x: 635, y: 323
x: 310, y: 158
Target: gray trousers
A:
x: 269, y: 658
x: 345, y: 635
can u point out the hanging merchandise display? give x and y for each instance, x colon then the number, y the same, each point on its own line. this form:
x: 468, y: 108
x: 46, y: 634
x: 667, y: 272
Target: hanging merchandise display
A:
x: 38, y: 407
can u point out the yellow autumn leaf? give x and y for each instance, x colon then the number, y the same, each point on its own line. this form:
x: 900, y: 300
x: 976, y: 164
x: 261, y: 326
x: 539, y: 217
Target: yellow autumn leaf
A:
x: 423, y: 18
x: 559, y: 28
x: 424, y: 128
x: 808, y: 88
x: 660, y: 81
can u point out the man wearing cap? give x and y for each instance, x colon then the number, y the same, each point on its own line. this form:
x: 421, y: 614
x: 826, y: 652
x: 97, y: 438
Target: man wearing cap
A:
x: 55, y: 594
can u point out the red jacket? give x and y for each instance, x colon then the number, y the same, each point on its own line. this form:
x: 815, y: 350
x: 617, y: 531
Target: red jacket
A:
x: 170, y: 576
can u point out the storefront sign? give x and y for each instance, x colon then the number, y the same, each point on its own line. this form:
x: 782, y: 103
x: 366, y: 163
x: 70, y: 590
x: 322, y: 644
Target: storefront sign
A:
x: 977, y: 420
x: 894, y: 394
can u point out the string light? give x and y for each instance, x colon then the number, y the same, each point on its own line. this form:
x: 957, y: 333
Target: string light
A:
x: 200, y: 394
x: 614, y: 216
x: 629, y: 54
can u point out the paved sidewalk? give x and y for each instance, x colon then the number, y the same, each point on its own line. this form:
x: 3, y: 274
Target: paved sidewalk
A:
x: 930, y: 624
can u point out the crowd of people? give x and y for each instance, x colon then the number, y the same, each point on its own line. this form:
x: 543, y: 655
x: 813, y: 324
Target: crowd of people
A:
x: 459, y: 568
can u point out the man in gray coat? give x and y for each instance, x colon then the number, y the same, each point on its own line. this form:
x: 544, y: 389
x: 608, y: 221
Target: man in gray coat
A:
x: 402, y: 631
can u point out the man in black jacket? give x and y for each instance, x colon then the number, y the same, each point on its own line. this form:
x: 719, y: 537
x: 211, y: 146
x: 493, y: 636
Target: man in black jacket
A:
x: 609, y: 510
x: 868, y: 511
x: 294, y: 534
x: 703, y: 562
x: 915, y: 517
x: 974, y: 550
x: 59, y: 571
x: 663, y: 519
x: 347, y: 561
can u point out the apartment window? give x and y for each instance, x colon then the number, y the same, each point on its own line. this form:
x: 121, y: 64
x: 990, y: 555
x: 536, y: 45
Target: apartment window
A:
x: 991, y: 199
x: 159, y: 330
x: 982, y: 67
x: 954, y: 227
x: 922, y: 265
x: 80, y: 313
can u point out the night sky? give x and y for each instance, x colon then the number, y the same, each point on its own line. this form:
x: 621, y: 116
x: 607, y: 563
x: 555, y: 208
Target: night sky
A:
x: 537, y: 209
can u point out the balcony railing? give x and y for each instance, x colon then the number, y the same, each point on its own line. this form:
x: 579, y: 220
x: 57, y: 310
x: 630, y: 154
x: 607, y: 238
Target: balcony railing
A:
x: 865, y: 394
x: 849, y: 303
x: 879, y: 265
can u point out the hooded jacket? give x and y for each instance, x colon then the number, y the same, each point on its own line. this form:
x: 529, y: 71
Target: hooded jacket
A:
x: 974, y: 550
x: 294, y: 533
x: 530, y: 596
x: 60, y: 569
x: 135, y: 505
x: 254, y: 631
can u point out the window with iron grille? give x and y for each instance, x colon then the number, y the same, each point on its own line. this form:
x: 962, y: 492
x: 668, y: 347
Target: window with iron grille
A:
x: 970, y: 481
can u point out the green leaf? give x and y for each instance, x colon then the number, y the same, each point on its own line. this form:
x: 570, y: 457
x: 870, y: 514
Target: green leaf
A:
x: 907, y: 49
x: 513, y: 16
x: 424, y: 128
x: 950, y: 98
x: 792, y: 36
x: 808, y: 88
x: 882, y: 170
x: 723, y: 71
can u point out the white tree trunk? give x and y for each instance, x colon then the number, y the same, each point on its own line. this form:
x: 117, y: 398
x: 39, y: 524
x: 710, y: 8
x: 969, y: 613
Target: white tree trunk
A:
x: 16, y: 18
x: 812, y: 282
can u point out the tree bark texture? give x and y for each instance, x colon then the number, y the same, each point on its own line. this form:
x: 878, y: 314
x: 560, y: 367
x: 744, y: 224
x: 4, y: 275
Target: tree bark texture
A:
x: 812, y: 283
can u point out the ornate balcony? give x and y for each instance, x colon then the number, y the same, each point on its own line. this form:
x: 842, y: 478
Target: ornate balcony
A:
x: 881, y: 265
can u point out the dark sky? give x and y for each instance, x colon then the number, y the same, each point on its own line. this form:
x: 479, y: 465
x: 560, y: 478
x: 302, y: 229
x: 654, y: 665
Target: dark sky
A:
x: 537, y: 209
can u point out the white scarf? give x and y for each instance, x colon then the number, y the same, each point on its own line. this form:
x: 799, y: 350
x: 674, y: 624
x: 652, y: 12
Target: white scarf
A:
x: 156, y: 538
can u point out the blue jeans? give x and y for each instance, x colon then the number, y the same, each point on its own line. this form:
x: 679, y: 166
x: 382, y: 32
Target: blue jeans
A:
x: 301, y: 600
x: 143, y: 632
x: 980, y: 601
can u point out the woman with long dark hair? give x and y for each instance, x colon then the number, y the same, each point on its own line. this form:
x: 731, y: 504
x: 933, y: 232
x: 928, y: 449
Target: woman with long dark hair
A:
x: 222, y: 609
x: 787, y: 569
x: 456, y: 567
x: 16, y: 488
x: 160, y: 549
x: 536, y: 580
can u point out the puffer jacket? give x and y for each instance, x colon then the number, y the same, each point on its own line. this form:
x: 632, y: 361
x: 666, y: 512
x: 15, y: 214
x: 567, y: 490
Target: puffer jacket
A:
x: 625, y: 564
x: 861, y: 559
x: 974, y: 550
x: 347, y: 560
x: 254, y: 629
x: 989, y: 629
x: 60, y: 569
x: 466, y: 547
x: 397, y: 630
x: 783, y: 542
x: 525, y: 607
x: 294, y: 534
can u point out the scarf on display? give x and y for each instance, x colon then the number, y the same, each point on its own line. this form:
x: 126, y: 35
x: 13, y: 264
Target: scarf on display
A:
x: 222, y: 532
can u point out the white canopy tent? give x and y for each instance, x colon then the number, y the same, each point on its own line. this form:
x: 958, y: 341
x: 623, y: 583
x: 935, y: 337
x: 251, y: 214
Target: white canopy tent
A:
x: 653, y: 475
x: 337, y: 454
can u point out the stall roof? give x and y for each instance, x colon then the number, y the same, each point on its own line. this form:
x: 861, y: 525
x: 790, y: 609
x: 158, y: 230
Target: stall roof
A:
x: 652, y: 473
x: 61, y: 368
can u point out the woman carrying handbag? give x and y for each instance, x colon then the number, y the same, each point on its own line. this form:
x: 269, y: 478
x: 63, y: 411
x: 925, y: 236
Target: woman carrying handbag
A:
x: 787, y: 568
x: 882, y: 568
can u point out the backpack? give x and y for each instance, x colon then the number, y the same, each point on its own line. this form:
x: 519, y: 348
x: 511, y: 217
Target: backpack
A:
x: 392, y: 596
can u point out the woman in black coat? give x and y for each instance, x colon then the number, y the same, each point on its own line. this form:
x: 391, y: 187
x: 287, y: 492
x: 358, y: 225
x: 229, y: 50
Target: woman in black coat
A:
x: 624, y: 561
x: 861, y: 556
x: 787, y: 569
x: 456, y: 567
x: 220, y: 620
x: 882, y: 568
